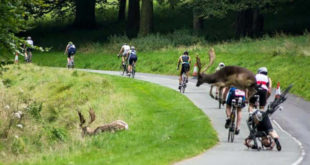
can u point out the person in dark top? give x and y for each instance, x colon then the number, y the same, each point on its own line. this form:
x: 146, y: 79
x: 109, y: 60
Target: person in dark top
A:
x: 185, y: 61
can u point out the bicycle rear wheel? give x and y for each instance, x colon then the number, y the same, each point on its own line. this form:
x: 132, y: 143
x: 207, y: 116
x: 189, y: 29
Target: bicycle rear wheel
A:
x: 231, y: 128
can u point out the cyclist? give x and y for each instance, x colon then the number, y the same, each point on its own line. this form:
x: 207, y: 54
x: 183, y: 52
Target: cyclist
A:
x: 264, y: 84
x: 263, y: 125
x: 70, y: 50
x: 235, y: 93
x: 132, y: 59
x: 125, y: 50
x: 28, y: 49
x: 185, y: 60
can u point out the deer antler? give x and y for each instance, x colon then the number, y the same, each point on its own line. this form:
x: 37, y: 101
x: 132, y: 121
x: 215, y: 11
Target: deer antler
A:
x: 92, y: 116
x: 198, y: 64
x: 211, y: 59
x: 82, y: 119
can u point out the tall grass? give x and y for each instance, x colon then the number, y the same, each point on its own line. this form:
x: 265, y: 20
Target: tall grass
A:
x: 162, y: 123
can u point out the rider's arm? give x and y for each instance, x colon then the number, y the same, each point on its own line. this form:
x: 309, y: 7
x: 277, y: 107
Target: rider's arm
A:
x: 66, y: 49
x: 121, y: 51
x: 179, y: 61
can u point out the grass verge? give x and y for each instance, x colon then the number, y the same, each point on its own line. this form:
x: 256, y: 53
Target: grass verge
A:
x: 286, y: 57
x: 164, y: 126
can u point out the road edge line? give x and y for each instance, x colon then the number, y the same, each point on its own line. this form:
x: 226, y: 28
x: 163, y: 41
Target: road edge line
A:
x: 301, y: 147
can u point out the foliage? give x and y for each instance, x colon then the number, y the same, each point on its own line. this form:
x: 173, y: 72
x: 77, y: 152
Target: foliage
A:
x: 13, y: 20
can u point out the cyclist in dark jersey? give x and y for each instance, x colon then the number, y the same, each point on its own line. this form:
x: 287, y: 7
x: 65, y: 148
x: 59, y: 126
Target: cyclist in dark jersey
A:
x: 185, y: 60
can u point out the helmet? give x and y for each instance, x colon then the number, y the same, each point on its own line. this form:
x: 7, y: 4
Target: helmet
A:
x: 258, y: 115
x: 70, y: 42
x: 221, y: 65
x: 132, y: 48
x: 186, y: 52
x: 262, y: 70
x: 28, y: 38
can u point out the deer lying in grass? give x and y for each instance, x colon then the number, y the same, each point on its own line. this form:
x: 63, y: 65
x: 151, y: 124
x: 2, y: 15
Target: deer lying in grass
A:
x: 228, y: 76
x: 111, y: 127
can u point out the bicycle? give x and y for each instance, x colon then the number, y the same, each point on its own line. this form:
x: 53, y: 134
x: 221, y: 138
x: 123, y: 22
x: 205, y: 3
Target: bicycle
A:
x: 236, y: 103
x: 255, y: 135
x: 183, y: 83
x: 123, y: 67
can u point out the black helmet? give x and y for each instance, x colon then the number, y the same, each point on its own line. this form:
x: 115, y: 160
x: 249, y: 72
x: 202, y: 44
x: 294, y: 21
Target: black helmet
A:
x: 186, y: 52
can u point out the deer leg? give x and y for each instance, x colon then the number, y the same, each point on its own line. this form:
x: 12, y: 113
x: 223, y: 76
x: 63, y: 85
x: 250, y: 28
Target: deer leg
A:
x: 211, y: 94
x: 220, y: 94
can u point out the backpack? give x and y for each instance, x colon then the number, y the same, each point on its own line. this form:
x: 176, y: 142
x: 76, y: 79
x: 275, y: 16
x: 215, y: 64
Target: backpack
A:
x: 71, y: 49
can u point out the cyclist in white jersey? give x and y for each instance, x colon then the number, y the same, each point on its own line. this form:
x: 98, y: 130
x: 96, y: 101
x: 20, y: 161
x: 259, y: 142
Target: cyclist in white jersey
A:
x: 125, y: 50
x: 264, y: 84
x: 28, y: 49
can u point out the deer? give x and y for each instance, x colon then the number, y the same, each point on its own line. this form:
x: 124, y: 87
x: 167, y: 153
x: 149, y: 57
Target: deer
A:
x: 228, y: 76
x: 114, y: 126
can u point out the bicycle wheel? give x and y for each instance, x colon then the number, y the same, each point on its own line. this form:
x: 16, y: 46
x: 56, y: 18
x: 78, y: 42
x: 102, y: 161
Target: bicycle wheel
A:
x: 133, y: 72
x: 231, y: 128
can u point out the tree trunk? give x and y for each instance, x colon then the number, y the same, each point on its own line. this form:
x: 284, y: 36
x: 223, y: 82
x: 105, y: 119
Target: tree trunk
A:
x: 250, y: 23
x: 121, y: 10
x: 197, y: 22
x: 85, y: 13
x: 146, y: 22
x: 133, y: 18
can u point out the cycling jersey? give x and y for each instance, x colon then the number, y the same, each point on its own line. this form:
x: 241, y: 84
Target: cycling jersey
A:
x: 132, y: 57
x: 185, y: 59
x: 30, y: 42
x: 126, y: 49
x: 262, y: 80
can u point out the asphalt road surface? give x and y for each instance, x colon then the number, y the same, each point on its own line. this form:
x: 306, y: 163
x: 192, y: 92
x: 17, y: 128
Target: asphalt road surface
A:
x: 292, y: 125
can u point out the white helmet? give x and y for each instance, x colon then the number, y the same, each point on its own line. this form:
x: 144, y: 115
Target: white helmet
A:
x: 132, y: 48
x: 262, y: 70
x: 221, y: 65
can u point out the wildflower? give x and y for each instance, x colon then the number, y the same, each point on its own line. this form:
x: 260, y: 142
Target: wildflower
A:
x: 19, y: 126
x: 7, y: 107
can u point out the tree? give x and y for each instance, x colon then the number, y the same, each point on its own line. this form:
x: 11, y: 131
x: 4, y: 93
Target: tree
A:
x: 133, y: 18
x: 121, y: 10
x: 85, y: 13
x: 13, y: 21
x: 146, y: 22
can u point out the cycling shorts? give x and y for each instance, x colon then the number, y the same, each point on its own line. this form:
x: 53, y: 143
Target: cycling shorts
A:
x: 132, y: 59
x: 265, y: 125
x: 70, y: 54
x: 262, y: 97
x: 185, y: 68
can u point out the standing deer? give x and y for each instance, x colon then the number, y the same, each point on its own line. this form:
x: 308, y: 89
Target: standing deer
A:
x: 228, y: 76
x: 111, y: 127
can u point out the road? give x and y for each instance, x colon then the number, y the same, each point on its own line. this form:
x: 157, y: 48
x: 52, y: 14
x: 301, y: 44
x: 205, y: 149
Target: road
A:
x: 294, y: 120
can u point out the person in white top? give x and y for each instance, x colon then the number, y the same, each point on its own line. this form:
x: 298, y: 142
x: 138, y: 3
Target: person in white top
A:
x: 28, y: 49
x: 124, y: 52
x: 264, y: 84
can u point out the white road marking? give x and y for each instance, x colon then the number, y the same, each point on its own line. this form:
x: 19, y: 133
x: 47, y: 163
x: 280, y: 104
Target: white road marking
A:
x: 302, y: 150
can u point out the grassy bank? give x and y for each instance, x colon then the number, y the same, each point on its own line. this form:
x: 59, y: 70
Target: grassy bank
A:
x: 164, y: 126
x: 287, y: 57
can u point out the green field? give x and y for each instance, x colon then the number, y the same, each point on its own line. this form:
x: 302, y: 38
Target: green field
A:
x: 286, y: 57
x: 164, y: 126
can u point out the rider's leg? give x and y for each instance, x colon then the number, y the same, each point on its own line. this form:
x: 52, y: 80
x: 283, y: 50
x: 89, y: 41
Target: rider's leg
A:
x: 30, y: 56
x: 275, y: 136
x: 226, y: 90
x: 228, y: 112
x: 187, y: 74
x: 238, y: 120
